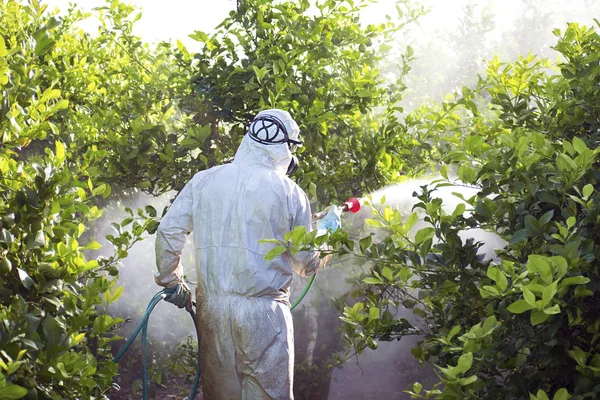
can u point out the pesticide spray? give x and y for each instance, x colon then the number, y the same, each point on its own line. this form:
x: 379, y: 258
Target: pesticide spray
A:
x: 334, y: 281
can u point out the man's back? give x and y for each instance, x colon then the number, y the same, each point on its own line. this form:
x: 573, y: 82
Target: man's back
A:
x: 255, y: 203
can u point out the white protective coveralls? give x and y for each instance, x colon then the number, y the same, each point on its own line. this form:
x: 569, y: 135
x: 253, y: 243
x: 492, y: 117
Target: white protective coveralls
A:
x: 244, y: 319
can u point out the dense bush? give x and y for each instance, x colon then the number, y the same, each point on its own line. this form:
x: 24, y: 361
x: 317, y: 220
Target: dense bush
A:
x: 57, y: 165
x: 526, y: 324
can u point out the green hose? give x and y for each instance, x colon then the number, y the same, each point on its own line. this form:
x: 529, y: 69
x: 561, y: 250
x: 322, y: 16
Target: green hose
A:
x: 306, y: 289
x: 143, y: 327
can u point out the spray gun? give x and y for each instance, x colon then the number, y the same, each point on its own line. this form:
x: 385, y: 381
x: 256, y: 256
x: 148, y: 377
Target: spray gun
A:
x: 352, y: 205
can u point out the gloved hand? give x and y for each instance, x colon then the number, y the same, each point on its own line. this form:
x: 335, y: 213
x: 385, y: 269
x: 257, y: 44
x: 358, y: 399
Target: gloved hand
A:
x: 181, y: 296
x: 330, y: 221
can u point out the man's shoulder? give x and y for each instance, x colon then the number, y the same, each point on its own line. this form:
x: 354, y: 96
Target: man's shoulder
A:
x: 209, y: 171
x: 293, y: 188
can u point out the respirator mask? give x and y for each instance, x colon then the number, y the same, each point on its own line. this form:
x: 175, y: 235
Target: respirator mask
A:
x: 270, y: 130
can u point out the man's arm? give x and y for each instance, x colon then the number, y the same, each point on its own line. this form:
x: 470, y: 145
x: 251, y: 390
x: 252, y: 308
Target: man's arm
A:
x: 306, y: 263
x: 170, y: 239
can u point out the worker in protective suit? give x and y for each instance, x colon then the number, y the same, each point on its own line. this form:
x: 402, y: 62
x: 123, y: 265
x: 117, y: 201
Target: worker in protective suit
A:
x: 242, y: 300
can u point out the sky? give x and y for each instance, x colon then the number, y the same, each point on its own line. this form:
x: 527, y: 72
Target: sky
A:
x: 176, y: 19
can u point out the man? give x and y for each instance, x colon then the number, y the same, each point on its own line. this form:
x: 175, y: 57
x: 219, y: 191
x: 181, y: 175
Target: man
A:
x: 244, y: 320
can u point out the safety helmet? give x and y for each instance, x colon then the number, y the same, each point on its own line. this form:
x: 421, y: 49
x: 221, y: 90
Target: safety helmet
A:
x: 271, y: 127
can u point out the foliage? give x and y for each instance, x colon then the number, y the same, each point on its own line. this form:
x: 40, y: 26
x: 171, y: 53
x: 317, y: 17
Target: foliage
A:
x: 525, y: 323
x: 55, y: 174
x: 323, y: 68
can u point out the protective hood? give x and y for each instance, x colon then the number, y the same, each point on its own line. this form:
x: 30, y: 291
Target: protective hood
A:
x: 251, y: 153
x: 274, y: 156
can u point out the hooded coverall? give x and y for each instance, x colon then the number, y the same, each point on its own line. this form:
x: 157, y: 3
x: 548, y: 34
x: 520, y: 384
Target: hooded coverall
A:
x: 244, y: 319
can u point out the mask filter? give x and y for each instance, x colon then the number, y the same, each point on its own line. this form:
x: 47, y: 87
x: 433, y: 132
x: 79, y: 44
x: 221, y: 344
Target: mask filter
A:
x: 293, y: 167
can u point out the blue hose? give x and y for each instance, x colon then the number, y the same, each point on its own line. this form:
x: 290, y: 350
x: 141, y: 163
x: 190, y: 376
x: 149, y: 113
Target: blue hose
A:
x: 143, y: 327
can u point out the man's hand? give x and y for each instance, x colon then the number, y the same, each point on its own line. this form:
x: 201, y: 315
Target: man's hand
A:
x: 181, y: 296
x: 330, y: 221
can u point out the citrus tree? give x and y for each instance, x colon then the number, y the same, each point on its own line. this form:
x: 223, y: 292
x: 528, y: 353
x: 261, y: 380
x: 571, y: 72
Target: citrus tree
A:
x: 64, y: 146
x: 523, y: 324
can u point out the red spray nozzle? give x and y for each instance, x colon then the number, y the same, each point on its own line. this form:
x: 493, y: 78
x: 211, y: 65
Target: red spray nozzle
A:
x: 352, y: 205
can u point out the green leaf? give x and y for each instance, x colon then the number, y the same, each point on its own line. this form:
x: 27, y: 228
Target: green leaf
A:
x: 468, y: 380
x: 541, y: 395
x: 453, y: 332
x: 373, y: 313
x: 574, y: 280
x: 269, y: 241
x: 519, y: 307
x: 374, y: 223
x: 372, y: 281
x: 43, y: 45
x: 546, y: 217
x: 579, y: 356
x: 99, y: 190
x: 519, y: 236
x: 114, y: 296
x: 59, y: 149
x: 365, y: 243
x: 532, y: 225
x: 489, y: 324
x: 579, y: 145
x: 93, y: 245
x: 36, y: 241
x: 555, y: 309
x: 444, y: 171
x: 459, y: 210
x: 548, y: 293
x: 467, y: 174
x: 297, y: 235
x: 260, y: 72
x: 417, y: 387
x: 3, y: 51
x: 11, y: 392
x: 388, y: 274
x: 52, y: 330
x: 540, y: 264
x: 126, y: 221
x: 387, y: 214
x: 25, y: 279
x: 424, y: 234
x: 537, y: 317
x: 498, y: 276
x: 102, y: 323
x: 561, y: 265
x: 587, y: 191
x: 464, y: 363
x: 60, y: 105
x: 151, y: 211
x: 561, y: 394
x: 411, y: 221
x: 529, y: 297
x: 275, y: 252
